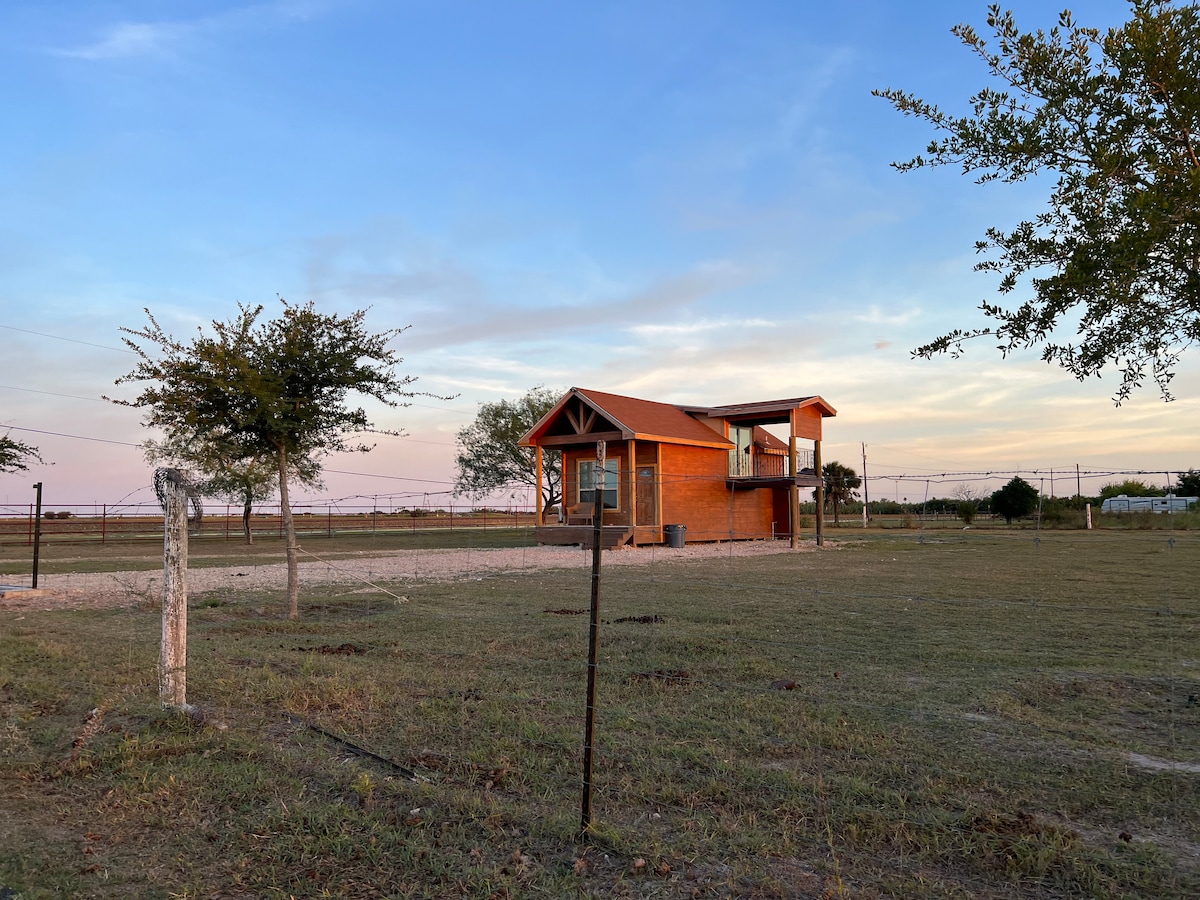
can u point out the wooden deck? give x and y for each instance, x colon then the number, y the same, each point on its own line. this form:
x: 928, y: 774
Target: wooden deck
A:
x: 564, y: 535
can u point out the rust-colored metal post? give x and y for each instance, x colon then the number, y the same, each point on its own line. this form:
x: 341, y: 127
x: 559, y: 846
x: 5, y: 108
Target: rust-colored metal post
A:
x: 37, y: 531
x: 589, y: 732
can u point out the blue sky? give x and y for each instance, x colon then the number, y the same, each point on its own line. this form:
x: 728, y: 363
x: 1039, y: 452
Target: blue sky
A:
x: 687, y: 202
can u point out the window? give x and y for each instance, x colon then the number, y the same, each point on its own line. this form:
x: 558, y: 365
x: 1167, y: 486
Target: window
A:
x: 587, y: 494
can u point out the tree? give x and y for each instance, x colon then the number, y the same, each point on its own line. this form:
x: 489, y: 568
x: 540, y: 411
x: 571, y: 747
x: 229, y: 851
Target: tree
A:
x: 840, y: 485
x: 1187, y: 484
x: 273, y: 390
x: 15, y: 455
x: 1114, y: 118
x: 489, y: 459
x: 1130, y: 488
x: 1017, y: 498
x: 967, y: 498
x: 229, y: 471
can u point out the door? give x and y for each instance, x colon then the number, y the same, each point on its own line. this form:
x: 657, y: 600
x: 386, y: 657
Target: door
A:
x: 740, y: 463
x: 647, y: 495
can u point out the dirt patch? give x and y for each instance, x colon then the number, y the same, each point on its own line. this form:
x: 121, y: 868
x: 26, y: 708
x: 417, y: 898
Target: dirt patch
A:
x: 101, y: 590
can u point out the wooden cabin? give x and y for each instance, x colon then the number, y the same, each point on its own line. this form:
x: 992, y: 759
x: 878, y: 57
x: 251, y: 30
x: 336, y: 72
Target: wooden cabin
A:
x: 716, y: 470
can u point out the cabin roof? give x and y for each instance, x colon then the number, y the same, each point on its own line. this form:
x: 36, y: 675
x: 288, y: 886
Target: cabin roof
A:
x: 764, y: 411
x: 668, y: 422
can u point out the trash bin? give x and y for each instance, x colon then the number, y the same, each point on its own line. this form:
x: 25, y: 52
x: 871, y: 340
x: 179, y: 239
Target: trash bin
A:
x: 676, y: 535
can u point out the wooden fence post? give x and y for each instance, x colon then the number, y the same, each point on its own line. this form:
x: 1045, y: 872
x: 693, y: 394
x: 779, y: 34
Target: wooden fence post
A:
x: 172, y: 668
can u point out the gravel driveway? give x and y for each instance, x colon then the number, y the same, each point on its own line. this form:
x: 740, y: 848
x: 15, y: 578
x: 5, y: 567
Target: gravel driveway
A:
x: 392, y: 571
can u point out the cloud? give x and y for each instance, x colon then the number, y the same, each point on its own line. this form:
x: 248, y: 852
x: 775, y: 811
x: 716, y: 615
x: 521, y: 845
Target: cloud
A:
x: 876, y: 316
x: 129, y: 39
x: 662, y: 330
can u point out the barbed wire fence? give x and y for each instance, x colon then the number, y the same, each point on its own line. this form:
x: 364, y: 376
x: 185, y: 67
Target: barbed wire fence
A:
x: 843, y: 707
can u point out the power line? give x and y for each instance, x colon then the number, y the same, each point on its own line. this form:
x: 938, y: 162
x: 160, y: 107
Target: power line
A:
x: 78, y: 437
x: 9, y: 387
x: 389, y: 477
x: 59, y: 337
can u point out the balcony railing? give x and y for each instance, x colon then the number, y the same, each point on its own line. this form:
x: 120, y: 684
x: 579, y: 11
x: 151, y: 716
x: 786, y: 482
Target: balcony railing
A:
x: 768, y: 465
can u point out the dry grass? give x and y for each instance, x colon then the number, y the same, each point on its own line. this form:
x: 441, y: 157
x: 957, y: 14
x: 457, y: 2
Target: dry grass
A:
x: 966, y: 719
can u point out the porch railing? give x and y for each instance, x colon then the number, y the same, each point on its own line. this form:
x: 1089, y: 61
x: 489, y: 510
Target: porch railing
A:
x: 768, y: 465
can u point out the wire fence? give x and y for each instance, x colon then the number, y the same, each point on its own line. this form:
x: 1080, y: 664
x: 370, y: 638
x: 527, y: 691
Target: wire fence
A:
x: 98, y: 522
x: 989, y: 709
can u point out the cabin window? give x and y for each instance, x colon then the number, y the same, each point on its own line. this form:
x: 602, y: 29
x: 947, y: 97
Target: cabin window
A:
x: 587, y: 493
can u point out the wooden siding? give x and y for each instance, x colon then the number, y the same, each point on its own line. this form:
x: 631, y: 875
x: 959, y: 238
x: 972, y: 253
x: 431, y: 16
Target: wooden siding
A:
x: 695, y: 494
x: 808, y: 423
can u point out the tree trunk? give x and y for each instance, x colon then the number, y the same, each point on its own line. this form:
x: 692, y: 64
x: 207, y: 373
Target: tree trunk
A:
x: 289, y: 530
x: 246, y: 510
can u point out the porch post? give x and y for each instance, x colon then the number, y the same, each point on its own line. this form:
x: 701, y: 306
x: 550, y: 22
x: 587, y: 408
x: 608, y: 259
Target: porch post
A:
x: 820, y: 493
x: 631, y: 477
x: 537, y: 497
x: 793, y: 488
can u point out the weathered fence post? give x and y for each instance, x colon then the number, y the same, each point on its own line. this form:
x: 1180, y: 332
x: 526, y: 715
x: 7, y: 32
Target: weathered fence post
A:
x: 172, y: 668
x: 175, y: 494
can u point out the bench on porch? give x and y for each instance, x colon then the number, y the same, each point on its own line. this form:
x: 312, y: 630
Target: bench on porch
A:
x: 579, y: 514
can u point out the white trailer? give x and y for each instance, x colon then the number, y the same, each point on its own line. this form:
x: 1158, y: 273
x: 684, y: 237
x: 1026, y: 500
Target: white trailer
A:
x: 1167, y: 504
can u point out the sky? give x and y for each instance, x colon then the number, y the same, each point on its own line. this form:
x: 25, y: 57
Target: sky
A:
x: 688, y: 202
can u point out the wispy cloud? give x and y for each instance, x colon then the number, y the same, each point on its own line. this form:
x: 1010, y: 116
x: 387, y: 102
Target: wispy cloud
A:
x: 661, y: 330
x: 129, y: 39
x: 876, y: 316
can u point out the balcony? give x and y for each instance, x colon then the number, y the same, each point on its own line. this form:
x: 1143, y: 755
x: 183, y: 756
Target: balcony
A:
x: 770, y: 465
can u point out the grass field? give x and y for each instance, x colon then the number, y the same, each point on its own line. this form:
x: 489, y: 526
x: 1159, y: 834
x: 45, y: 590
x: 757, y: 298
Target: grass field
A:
x: 1005, y: 714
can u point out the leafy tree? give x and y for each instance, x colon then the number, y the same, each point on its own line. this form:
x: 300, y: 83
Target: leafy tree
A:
x: 841, y: 483
x: 271, y: 390
x: 1130, y: 488
x: 1187, y: 484
x: 226, y: 471
x: 489, y: 459
x: 15, y: 455
x: 1113, y: 118
x: 1017, y: 498
x: 967, y: 498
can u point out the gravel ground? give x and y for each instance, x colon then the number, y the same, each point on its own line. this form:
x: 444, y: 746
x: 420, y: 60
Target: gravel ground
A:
x: 392, y: 571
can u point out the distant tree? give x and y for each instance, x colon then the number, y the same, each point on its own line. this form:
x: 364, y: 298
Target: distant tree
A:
x: 274, y: 390
x: 15, y: 455
x: 967, y: 498
x: 489, y: 459
x: 841, y: 483
x: 224, y: 470
x: 1130, y: 488
x: 1111, y: 121
x: 1017, y: 498
x: 1187, y: 484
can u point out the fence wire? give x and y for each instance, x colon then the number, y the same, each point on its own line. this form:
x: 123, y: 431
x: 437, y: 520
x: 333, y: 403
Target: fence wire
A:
x: 887, y: 707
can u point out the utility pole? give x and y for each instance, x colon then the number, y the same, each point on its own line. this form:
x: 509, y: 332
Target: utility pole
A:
x: 1078, y: 484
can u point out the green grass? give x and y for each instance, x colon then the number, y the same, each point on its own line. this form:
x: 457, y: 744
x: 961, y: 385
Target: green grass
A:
x: 121, y: 555
x: 961, y: 725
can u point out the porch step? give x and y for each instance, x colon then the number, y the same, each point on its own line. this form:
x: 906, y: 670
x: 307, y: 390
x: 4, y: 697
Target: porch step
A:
x: 610, y: 537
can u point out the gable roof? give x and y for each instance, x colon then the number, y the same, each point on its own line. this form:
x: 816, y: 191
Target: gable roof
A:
x: 635, y: 419
x: 650, y: 420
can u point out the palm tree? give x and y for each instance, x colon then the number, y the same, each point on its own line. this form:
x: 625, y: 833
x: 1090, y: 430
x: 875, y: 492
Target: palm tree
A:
x: 840, y: 484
